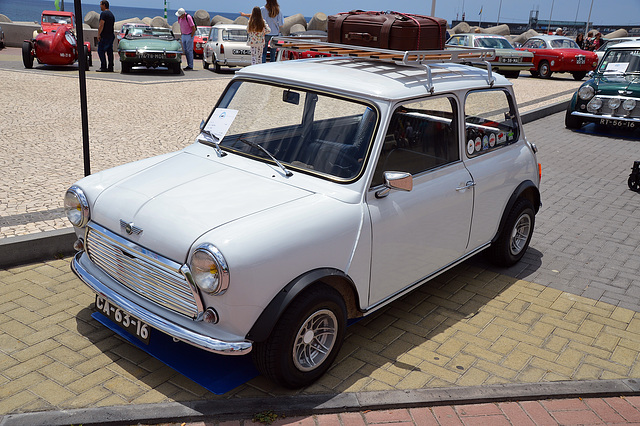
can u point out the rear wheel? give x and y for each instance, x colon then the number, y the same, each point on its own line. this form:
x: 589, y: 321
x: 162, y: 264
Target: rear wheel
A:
x: 175, y: 68
x: 512, y: 74
x: 544, y: 69
x: 579, y: 75
x: 216, y: 65
x: 633, y: 183
x: 87, y: 55
x: 305, y: 340
x: 534, y: 73
x: 571, y: 121
x: 514, y: 239
x: 205, y: 64
x: 27, y: 54
x: 125, y: 67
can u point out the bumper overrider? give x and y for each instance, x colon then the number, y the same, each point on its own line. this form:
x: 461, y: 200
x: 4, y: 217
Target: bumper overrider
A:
x: 81, y: 266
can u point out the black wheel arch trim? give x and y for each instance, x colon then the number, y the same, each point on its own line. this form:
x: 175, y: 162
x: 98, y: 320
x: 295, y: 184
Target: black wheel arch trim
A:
x: 532, y: 194
x: 267, y: 320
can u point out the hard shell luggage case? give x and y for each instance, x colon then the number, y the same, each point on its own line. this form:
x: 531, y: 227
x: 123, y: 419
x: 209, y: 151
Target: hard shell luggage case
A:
x: 387, y: 30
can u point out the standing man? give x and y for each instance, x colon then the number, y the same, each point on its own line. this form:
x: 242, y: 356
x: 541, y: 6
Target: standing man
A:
x: 188, y: 31
x: 106, y: 37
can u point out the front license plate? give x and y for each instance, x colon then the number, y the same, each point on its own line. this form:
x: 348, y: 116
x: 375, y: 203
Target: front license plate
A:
x: 617, y: 123
x: 124, y: 319
x: 241, y: 52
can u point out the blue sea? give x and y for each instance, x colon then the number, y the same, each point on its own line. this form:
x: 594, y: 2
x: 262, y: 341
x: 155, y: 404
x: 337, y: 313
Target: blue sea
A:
x: 30, y: 10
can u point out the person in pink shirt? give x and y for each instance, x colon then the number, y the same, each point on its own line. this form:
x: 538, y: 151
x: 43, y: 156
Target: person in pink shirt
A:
x: 188, y: 31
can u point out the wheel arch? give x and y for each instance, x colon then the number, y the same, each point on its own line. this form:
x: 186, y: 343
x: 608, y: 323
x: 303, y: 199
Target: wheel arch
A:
x: 334, y: 278
x: 526, y: 189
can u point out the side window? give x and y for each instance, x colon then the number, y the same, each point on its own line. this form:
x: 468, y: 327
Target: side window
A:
x: 421, y: 136
x: 490, y: 121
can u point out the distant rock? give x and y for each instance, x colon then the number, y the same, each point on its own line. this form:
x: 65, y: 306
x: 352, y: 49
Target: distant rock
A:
x: 220, y: 20
x: 525, y: 36
x: 461, y: 28
x: 147, y: 20
x: 175, y: 28
x: 290, y: 21
x: 4, y: 18
x: 118, y: 25
x: 318, y: 22
x: 92, y: 18
x: 241, y: 20
x: 297, y: 28
x: 502, y: 30
x: 159, y: 21
x: 617, y: 33
x: 202, y: 18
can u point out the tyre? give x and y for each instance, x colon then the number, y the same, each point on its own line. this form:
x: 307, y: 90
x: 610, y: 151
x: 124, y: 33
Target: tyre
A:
x: 514, y: 239
x: 512, y: 74
x: 579, y: 75
x: 571, y: 121
x: 633, y: 183
x: 305, y: 340
x: 216, y: 65
x: 534, y: 73
x: 205, y: 64
x: 27, y: 54
x: 87, y: 55
x: 176, y: 68
x: 125, y: 67
x: 544, y: 69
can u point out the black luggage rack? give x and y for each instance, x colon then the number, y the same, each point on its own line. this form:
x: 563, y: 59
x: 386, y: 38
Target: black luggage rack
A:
x: 411, y: 58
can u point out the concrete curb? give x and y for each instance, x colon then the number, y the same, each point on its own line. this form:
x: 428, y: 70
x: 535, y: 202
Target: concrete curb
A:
x: 31, y: 248
x: 51, y: 244
x: 308, y: 405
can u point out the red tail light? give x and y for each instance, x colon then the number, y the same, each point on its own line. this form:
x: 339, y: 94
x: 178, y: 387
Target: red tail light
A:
x: 539, y: 171
x: 171, y: 55
x: 527, y: 59
x: 221, y: 49
x: 497, y: 59
x: 130, y: 54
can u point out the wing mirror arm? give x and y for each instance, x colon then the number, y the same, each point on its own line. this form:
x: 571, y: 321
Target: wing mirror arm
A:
x: 401, y: 181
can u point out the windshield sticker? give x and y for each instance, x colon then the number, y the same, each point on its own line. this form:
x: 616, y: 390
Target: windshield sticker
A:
x: 220, y: 121
x: 492, y: 140
x: 471, y: 146
x: 617, y: 66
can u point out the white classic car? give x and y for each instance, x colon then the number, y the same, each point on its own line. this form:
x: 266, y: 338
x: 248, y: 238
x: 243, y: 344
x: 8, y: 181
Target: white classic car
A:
x: 226, y: 46
x: 317, y: 191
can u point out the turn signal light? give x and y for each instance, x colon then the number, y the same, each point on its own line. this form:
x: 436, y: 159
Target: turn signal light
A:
x: 539, y: 172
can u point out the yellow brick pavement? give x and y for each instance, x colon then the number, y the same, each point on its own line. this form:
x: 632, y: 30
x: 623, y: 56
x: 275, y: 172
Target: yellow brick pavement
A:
x: 468, y: 327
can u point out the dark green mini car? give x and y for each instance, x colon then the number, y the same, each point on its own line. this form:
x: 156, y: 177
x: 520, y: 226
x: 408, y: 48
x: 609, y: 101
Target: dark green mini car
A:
x: 150, y: 47
x: 611, y: 96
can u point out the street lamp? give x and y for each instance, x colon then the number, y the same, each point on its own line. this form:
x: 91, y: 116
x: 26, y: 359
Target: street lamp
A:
x: 499, y: 9
x: 433, y: 7
x: 586, y: 30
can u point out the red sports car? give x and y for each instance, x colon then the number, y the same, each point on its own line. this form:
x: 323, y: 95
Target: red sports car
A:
x: 199, y: 40
x: 55, y: 43
x: 559, y: 54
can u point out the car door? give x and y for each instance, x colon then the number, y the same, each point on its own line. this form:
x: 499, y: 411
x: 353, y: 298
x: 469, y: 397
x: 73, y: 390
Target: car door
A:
x: 417, y: 232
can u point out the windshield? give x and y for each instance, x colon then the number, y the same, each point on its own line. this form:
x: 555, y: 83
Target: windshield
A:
x: 303, y: 130
x: 56, y: 19
x: 137, y: 32
x: 564, y: 43
x: 492, y: 43
x: 234, y: 35
x: 620, y: 61
x: 203, y: 31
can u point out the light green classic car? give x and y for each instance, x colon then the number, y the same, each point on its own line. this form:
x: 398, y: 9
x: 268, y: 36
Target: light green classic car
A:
x: 150, y: 47
x: 611, y: 97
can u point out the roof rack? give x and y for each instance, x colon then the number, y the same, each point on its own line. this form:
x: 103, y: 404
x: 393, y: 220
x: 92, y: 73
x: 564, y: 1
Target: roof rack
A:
x: 411, y: 58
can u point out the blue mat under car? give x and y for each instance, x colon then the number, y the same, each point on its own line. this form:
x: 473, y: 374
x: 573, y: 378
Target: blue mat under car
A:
x: 216, y: 373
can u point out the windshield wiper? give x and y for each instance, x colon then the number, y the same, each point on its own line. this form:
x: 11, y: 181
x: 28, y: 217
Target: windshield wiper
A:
x: 211, y: 138
x: 263, y: 149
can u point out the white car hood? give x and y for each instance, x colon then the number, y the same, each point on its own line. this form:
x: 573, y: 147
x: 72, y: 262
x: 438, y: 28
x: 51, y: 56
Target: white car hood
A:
x: 178, y: 200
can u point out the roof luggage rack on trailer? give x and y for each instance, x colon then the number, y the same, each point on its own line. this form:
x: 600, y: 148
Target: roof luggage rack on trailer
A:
x: 410, y: 58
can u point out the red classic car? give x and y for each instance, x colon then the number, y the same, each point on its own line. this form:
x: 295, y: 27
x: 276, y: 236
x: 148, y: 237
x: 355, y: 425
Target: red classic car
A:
x: 199, y: 40
x: 55, y: 43
x: 559, y: 54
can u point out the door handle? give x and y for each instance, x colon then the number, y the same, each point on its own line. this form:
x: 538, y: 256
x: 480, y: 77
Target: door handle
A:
x: 467, y: 185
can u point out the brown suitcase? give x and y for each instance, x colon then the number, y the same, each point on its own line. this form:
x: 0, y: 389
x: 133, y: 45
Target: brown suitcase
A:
x: 387, y: 30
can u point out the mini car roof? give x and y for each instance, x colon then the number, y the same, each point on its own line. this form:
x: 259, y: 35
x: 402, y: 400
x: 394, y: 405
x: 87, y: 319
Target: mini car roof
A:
x: 57, y: 12
x: 631, y: 44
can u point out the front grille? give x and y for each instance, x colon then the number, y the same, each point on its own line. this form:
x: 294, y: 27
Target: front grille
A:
x: 146, y: 273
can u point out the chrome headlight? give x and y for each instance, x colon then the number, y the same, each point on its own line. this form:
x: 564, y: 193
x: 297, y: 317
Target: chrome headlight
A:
x: 629, y: 104
x: 614, y: 103
x: 586, y: 92
x: 594, y: 105
x: 76, y: 206
x: 209, y: 269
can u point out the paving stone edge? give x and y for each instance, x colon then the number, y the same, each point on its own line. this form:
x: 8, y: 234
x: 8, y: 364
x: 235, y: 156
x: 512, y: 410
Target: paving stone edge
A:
x: 307, y: 405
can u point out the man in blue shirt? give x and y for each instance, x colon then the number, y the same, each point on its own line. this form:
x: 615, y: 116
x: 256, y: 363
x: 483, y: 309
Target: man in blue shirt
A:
x: 106, y: 37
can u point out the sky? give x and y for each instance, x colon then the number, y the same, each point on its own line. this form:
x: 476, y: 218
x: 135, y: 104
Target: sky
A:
x: 607, y: 12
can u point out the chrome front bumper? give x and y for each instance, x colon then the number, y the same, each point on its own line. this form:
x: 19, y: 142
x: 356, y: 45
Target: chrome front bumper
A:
x: 604, y: 117
x: 176, y: 331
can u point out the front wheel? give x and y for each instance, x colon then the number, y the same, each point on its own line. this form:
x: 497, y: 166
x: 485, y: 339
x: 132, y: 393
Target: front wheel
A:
x: 544, y: 69
x: 87, y: 55
x: 27, y: 54
x: 514, y: 239
x: 634, y: 183
x: 571, y: 121
x: 579, y: 75
x: 306, y: 339
x: 205, y: 64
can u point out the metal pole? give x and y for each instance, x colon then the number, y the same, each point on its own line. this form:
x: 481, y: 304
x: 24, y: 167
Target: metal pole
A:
x: 549, y: 24
x: 82, y: 65
x: 586, y: 30
x: 433, y: 7
x: 499, y: 9
x: 165, y: 9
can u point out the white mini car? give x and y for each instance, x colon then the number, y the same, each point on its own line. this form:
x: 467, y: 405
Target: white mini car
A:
x: 226, y: 46
x: 318, y: 191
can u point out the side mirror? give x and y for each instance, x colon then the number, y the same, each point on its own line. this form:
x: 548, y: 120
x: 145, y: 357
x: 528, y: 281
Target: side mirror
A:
x: 401, y: 181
